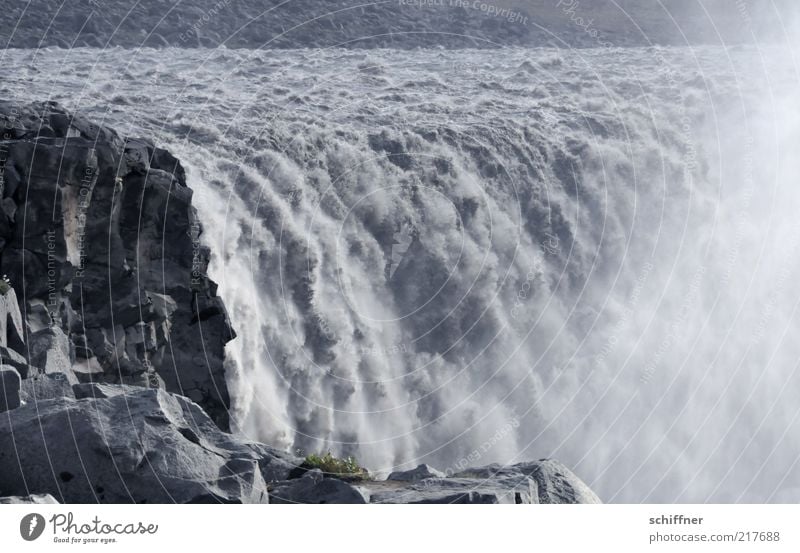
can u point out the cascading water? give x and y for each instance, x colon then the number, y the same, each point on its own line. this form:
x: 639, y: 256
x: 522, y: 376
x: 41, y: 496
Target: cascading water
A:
x: 471, y: 257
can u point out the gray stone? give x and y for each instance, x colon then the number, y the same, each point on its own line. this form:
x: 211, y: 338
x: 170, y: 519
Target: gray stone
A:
x: 503, y: 490
x: 139, y: 445
x: 555, y: 482
x: 13, y: 359
x: 96, y: 390
x: 11, y: 327
x: 46, y: 386
x: 420, y: 473
x: 10, y: 384
x: 36, y: 499
x: 311, y: 489
x: 51, y: 351
x: 276, y: 465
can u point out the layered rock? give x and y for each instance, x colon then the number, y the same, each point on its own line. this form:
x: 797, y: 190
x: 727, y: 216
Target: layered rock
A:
x: 102, y: 246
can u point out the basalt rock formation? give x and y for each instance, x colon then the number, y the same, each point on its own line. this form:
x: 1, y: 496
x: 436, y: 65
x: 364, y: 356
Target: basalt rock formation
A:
x: 101, y: 245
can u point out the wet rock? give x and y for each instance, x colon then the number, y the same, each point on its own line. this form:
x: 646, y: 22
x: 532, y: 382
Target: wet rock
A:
x: 135, y: 445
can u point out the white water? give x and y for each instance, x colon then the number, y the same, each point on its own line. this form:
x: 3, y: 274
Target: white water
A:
x: 596, y: 251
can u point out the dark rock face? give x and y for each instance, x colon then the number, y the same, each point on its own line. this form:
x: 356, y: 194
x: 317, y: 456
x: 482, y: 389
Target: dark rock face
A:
x: 130, y: 445
x: 101, y: 244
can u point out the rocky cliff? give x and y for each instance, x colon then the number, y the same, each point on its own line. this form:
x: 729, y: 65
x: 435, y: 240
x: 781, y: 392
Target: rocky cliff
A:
x: 112, y: 337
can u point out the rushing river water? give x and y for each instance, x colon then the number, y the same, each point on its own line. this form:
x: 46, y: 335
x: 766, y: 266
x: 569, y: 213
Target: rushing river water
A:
x: 491, y: 256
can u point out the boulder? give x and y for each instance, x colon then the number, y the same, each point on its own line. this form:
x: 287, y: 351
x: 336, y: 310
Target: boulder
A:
x: 51, y: 351
x: 13, y: 359
x: 10, y: 384
x: 313, y: 488
x: 419, y: 473
x: 46, y: 386
x: 134, y: 445
x: 543, y: 481
x: 555, y: 482
x: 506, y: 489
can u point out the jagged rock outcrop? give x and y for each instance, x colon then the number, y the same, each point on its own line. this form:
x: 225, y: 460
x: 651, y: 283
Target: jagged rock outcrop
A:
x: 10, y: 386
x: 544, y: 481
x: 130, y: 444
x: 101, y: 244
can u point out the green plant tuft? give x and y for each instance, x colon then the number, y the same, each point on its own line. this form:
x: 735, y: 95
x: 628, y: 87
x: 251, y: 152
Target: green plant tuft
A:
x: 345, y: 469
